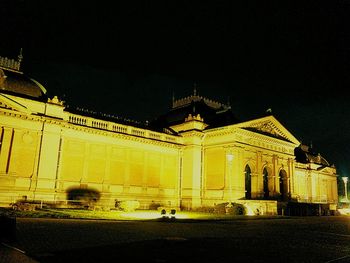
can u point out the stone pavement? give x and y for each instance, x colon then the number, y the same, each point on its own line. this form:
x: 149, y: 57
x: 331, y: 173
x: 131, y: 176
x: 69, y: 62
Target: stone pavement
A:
x: 294, y: 240
x: 9, y: 254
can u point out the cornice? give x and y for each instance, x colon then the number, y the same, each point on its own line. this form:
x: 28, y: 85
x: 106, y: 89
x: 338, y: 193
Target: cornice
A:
x: 261, y: 137
x: 120, y: 135
x: 92, y: 130
x: 217, y: 132
x: 255, y: 140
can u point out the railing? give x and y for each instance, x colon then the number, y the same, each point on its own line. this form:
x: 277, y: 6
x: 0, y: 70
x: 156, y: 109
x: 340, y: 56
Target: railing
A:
x: 312, y: 199
x: 120, y: 128
x: 138, y: 132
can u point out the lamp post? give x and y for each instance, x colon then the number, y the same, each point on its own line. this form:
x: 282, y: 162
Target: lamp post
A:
x: 345, y: 180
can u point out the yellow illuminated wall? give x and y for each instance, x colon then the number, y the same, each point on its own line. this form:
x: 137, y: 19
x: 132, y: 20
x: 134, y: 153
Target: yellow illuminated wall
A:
x: 96, y: 168
x: 23, y: 152
x: 154, y: 169
x: 72, y: 162
x: 118, y: 165
x: 170, y: 171
x: 215, y: 160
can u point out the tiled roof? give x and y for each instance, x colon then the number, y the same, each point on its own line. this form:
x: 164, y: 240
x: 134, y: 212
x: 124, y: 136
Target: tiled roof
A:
x: 305, y: 154
x: 213, y: 115
x: 17, y: 83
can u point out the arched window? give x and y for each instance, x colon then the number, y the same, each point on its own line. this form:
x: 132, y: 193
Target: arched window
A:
x: 266, y: 183
x: 283, y: 185
x: 248, y: 183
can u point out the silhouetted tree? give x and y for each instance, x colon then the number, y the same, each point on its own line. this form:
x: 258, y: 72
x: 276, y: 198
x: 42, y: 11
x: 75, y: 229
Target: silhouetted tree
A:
x: 82, y: 196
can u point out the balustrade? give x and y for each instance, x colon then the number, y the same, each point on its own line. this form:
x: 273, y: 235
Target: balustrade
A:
x: 119, y: 128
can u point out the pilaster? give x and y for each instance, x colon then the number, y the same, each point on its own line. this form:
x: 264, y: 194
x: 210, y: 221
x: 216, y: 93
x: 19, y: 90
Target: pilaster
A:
x: 259, y: 175
x: 291, y: 176
x: 238, y: 173
x: 275, y: 179
x: 48, y: 156
x: 7, y: 137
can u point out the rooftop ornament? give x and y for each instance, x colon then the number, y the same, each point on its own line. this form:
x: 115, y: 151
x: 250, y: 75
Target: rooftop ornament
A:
x: 12, y: 64
x: 195, y: 97
x: 55, y: 100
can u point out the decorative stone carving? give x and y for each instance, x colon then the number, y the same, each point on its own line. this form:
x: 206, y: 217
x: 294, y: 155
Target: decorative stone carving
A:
x: 268, y: 127
x: 27, y: 138
x: 55, y: 100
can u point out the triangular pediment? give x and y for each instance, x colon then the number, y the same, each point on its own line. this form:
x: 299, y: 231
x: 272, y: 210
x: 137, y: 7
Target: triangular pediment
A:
x: 7, y: 102
x: 269, y: 126
x: 326, y: 169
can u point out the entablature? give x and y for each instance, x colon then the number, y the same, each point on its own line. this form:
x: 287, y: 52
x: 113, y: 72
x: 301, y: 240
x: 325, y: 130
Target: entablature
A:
x: 263, y: 141
x: 250, y: 139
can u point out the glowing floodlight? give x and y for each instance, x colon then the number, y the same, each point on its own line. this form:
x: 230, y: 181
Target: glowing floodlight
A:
x: 168, y: 214
x: 345, y: 180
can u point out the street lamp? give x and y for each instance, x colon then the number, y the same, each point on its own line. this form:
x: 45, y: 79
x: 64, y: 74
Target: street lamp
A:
x: 345, y: 180
x: 230, y: 157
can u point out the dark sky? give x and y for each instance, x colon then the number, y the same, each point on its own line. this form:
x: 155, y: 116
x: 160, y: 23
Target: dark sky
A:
x: 129, y: 59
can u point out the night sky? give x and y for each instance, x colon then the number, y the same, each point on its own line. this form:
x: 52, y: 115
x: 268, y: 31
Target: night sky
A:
x: 129, y: 59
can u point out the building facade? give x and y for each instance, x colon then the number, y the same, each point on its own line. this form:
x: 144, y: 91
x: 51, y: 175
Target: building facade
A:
x: 196, y: 155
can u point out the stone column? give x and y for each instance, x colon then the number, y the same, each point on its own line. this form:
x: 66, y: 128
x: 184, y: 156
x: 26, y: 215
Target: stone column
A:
x: 59, y: 164
x: 259, y: 191
x: 7, y: 136
x: 48, y: 159
x: 238, y: 173
x: 229, y: 174
x: 179, y: 176
x: 275, y: 180
x: 291, y: 176
x: 191, y: 178
x: 191, y: 183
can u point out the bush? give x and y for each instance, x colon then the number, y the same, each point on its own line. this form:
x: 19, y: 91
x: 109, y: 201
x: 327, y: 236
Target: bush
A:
x: 129, y: 205
x: 233, y: 209
x: 24, y: 206
x: 83, y: 197
x: 205, y: 209
x: 220, y: 208
x: 154, y: 206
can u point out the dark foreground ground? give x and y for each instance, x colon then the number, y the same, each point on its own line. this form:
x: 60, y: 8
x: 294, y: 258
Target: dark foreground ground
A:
x: 244, y: 239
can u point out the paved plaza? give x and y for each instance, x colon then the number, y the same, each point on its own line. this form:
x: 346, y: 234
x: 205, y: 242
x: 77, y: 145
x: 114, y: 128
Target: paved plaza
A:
x: 307, y: 239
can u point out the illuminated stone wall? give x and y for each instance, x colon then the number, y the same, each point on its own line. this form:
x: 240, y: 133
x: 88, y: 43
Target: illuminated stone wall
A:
x: 225, y: 178
x: 120, y: 168
x: 46, y: 150
x: 41, y: 157
x: 313, y: 184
